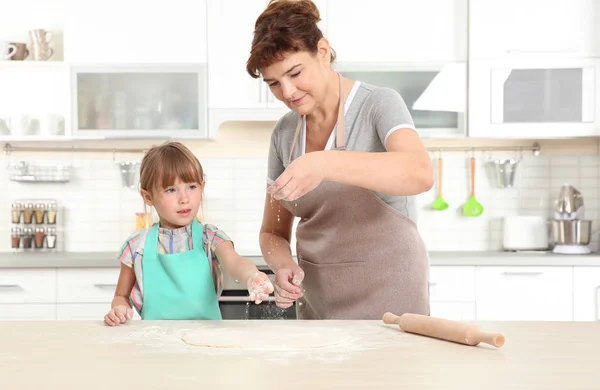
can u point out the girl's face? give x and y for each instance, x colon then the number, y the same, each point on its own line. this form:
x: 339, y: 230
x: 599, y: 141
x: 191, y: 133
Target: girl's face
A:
x: 176, y: 205
x: 300, y: 79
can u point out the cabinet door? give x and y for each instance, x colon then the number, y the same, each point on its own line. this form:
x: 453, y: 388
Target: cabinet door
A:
x: 562, y: 28
x: 27, y: 312
x: 586, y: 294
x: 27, y: 286
x: 456, y: 311
x: 524, y: 294
x: 136, y: 31
x: 230, y: 33
x: 398, y: 30
x: 85, y: 312
x: 86, y: 285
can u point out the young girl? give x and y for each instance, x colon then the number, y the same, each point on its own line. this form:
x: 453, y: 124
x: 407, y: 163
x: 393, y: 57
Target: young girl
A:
x: 172, y: 270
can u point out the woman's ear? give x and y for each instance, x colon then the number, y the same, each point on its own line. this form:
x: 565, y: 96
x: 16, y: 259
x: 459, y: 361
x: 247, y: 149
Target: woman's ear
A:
x: 147, y: 197
x: 324, y: 50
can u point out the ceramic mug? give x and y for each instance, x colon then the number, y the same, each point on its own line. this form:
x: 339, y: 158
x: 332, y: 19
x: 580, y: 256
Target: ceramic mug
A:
x: 7, y: 50
x: 22, y: 51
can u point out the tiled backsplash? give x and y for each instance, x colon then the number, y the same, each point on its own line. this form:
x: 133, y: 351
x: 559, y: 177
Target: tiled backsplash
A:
x: 100, y: 213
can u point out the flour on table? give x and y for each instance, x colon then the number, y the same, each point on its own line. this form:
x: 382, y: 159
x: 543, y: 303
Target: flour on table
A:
x: 265, y: 338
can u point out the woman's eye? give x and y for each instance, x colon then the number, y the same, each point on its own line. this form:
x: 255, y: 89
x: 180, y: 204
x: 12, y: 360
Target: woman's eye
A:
x: 273, y: 84
x: 296, y: 74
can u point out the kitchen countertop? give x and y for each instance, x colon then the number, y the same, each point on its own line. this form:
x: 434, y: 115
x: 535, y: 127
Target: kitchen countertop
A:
x: 367, y: 354
x: 108, y: 259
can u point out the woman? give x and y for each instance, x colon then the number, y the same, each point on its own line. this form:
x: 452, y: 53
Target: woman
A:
x: 348, y: 162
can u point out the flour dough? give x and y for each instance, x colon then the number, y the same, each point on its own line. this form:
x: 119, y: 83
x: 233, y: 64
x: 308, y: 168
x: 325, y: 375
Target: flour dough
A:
x: 264, y: 338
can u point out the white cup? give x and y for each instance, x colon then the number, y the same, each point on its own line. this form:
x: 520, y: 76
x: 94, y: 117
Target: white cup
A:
x: 7, y: 50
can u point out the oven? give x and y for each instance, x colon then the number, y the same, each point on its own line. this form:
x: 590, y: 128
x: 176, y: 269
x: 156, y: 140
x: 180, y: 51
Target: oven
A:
x: 234, y: 303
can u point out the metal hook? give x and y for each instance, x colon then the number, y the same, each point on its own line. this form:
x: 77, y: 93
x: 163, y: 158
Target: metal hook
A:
x: 472, y: 152
x: 114, y: 156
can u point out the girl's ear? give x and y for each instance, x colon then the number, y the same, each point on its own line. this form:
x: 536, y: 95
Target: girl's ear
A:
x: 147, y: 197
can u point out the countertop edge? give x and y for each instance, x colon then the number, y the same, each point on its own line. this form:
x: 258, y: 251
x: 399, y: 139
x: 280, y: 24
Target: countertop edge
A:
x: 472, y: 258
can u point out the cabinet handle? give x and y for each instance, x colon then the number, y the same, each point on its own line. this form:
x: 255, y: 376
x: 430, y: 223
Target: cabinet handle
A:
x: 242, y: 299
x: 9, y: 286
x: 524, y: 273
x: 431, y: 284
x: 596, y: 291
x: 100, y: 285
x: 540, y: 51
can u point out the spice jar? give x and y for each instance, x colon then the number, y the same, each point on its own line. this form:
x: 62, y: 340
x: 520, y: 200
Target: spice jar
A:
x: 28, y: 213
x: 40, y: 233
x: 17, y: 210
x: 15, y: 240
x: 39, y: 212
x: 27, y: 237
x: 51, y: 238
x: 51, y: 213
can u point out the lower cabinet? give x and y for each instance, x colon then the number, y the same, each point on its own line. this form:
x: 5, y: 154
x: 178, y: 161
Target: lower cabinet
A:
x: 27, y: 312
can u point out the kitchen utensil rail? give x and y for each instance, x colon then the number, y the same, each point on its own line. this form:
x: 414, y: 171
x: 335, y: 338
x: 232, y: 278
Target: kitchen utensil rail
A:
x: 535, y: 149
x: 8, y: 148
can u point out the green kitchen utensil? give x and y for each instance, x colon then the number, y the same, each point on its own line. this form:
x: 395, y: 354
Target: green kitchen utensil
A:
x: 472, y: 208
x: 440, y: 203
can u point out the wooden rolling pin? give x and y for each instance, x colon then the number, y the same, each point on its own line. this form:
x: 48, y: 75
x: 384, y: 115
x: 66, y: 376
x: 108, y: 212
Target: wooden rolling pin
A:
x: 443, y: 329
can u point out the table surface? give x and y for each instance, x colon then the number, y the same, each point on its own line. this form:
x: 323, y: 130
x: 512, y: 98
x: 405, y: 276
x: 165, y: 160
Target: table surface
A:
x: 365, y: 354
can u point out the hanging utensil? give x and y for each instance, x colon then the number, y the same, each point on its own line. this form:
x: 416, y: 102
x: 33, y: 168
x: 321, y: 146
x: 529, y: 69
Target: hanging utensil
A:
x: 472, y: 208
x: 129, y: 173
x: 439, y: 203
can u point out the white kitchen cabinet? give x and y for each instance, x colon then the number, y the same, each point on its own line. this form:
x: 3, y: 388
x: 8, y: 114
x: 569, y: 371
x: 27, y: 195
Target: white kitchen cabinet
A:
x: 456, y: 311
x: 86, y: 285
x: 398, y: 30
x: 516, y: 28
x: 85, y: 312
x: 140, y: 101
x: 27, y: 312
x: 524, y: 293
x: 586, y: 294
x: 136, y: 31
x: 27, y: 285
x: 452, y: 283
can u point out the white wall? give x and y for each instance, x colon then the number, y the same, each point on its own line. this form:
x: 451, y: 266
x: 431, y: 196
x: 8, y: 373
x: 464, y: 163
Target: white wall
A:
x: 99, y: 213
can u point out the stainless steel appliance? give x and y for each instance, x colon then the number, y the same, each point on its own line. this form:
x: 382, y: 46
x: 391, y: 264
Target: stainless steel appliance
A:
x: 234, y: 303
x: 570, y: 230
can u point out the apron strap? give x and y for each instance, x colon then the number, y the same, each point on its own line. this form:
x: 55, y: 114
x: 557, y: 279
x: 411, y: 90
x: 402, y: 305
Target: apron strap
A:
x: 340, y: 128
x: 197, y: 235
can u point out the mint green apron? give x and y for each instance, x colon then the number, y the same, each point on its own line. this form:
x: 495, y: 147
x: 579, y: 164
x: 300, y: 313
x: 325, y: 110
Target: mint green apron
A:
x: 178, y: 286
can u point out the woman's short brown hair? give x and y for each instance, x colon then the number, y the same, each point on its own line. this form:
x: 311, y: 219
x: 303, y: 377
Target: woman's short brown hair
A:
x: 163, y: 164
x: 285, y: 26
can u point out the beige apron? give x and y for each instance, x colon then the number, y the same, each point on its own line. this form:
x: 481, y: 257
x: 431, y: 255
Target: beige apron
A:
x: 360, y: 256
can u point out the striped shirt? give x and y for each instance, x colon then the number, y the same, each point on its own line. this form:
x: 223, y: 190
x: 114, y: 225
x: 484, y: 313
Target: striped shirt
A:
x: 170, y: 241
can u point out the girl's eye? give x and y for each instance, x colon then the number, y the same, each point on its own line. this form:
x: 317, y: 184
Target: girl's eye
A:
x: 170, y: 190
x: 193, y: 186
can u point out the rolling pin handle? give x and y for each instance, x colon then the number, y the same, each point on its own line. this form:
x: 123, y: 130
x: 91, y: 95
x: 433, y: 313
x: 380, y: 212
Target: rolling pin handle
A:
x: 390, y: 319
x: 493, y: 339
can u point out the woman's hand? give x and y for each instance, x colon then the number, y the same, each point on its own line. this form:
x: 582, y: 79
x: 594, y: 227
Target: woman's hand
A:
x: 287, y: 286
x: 259, y: 287
x: 302, y: 176
x: 118, y: 315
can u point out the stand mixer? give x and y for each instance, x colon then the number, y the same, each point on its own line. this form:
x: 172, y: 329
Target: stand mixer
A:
x: 570, y: 231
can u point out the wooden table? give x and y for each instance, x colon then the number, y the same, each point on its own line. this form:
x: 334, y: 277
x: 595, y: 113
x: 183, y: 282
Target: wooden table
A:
x: 369, y: 355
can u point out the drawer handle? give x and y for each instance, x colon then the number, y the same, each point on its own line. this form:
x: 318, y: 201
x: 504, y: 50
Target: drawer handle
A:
x: 104, y: 286
x: 431, y: 284
x: 522, y: 273
x: 242, y: 299
x: 10, y: 287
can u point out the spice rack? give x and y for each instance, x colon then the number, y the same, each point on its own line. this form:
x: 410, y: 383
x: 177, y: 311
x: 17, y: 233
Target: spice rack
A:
x: 36, y: 226
x: 26, y: 172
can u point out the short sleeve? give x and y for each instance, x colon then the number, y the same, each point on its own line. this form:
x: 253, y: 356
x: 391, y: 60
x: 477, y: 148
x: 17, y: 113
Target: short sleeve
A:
x: 213, y: 238
x: 129, y: 251
x: 275, y: 162
x: 390, y: 113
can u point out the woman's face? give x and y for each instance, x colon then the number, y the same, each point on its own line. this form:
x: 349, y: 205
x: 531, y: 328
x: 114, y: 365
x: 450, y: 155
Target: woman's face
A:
x: 300, y: 79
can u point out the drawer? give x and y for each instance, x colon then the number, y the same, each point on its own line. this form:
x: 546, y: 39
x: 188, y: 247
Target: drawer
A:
x: 86, y: 285
x: 452, y: 284
x: 456, y: 311
x: 27, y: 312
x: 84, y: 312
x: 525, y: 293
x: 27, y: 285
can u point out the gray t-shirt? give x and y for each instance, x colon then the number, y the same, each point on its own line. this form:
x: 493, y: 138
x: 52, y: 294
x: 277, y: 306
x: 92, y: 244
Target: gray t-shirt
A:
x: 372, y: 114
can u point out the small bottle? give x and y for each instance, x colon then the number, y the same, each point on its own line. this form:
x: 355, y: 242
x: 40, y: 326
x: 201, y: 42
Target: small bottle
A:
x: 15, y: 238
x: 51, y: 213
x: 51, y: 238
x: 17, y: 210
x: 28, y: 213
x: 27, y: 237
x: 40, y: 233
x: 39, y: 212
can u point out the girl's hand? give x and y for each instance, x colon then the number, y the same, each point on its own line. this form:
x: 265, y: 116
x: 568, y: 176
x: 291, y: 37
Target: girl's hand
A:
x: 303, y: 175
x: 118, y: 315
x: 259, y: 287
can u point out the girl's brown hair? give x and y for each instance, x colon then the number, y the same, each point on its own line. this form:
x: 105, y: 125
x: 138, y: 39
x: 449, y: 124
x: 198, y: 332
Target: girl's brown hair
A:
x: 163, y: 164
x: 285, y: 26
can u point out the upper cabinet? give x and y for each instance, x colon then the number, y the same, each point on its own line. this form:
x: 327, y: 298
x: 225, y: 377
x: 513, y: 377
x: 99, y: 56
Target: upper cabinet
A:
x: 525, y: 28
x: 398, y: 31
x: 136, y: 31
